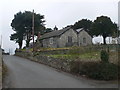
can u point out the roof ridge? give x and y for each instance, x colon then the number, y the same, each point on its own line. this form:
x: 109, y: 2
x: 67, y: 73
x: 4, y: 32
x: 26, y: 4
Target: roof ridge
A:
x: 54, y: 33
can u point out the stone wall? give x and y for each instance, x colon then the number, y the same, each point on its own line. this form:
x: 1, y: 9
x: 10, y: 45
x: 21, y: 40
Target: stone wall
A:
x: 84, y: 35
x: 52, y: 52
x: 51, y: 42
x: 63, y: 40
x: 61, y: 64
x: 0, y: 68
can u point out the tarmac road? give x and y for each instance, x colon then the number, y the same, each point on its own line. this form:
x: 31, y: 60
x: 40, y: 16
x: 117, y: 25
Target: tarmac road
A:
x: 23, y: 73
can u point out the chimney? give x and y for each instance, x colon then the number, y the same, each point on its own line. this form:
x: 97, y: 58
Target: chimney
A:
x: 55, y: 28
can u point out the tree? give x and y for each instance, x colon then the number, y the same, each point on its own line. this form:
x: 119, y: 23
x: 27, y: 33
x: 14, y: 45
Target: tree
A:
x: 116, y: 31
x: 48, y: 30
x: 22, y: 25
x: 103, y: 26
x: 18, y: 38
x: 84, y: 23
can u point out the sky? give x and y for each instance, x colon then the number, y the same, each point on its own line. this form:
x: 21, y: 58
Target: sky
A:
x: 56, y: 12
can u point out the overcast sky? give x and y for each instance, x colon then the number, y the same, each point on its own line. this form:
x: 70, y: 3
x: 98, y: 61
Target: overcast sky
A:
x: 57, y: 12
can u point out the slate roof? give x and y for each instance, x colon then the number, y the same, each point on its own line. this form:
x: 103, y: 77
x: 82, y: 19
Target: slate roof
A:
x: 54, y: 33
x: 79, y: 30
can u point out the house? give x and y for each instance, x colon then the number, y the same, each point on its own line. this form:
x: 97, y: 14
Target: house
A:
x: 83, y: 37
x: 59, y: 38
x: 65, y: 37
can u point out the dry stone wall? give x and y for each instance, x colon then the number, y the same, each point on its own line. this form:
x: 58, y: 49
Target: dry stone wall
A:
x: 61, y: 64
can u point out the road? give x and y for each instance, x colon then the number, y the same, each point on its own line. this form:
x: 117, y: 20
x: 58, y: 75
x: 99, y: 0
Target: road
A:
x: 23, y: 73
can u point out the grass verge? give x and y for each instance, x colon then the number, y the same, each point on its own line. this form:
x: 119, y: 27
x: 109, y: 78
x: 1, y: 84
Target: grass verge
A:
x: 4, y: 71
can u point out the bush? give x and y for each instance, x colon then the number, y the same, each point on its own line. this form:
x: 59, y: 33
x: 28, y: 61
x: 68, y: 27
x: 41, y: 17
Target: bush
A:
x: 74, y: 66
x: 95, y: 70
x: 100, y: 71
x: 104, y: 56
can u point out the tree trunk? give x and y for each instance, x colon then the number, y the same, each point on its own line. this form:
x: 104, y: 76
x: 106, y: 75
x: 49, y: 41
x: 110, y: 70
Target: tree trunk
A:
x: 104, y: 41
x: 20, y: 44
x: 28, y: 39
x: 27, y: 43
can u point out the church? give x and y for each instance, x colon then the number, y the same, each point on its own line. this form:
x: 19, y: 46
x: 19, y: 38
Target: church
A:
x: 65, y: 37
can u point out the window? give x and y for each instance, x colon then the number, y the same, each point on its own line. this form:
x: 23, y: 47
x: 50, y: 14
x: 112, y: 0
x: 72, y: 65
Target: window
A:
x: 51, y: 40
x: 84, y: 40
x: 69, y: 39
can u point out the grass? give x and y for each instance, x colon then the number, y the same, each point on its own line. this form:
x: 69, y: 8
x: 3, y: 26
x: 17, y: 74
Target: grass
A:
x: 4, y: 70
x: 113, y: 57
x: 89, y: 56
x: 51, y: 49
x: 31, y: 49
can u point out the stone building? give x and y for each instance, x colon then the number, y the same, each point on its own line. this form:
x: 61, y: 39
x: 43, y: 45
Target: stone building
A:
x: 83, y: 37
x: 66, y: 37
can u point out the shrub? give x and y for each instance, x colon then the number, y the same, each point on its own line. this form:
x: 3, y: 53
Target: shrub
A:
x: 104, y: 56
x: 95, y: 70
x: 100, y: 71
x: 74, y: 66
x: 36, y: 53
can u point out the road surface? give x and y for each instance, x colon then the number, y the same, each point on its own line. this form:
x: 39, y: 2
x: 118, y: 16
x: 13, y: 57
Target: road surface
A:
x: 23, y: 73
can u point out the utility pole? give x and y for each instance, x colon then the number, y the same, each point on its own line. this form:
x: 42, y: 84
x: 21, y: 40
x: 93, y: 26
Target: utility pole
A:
x: 9, y: 52
x: 33, y: 29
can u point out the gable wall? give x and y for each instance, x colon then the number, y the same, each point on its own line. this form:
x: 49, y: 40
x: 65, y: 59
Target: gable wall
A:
x: 63, y: 40
x: 84, y: 34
